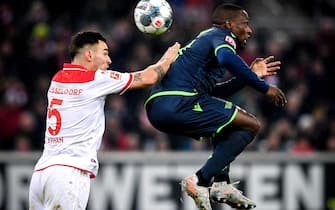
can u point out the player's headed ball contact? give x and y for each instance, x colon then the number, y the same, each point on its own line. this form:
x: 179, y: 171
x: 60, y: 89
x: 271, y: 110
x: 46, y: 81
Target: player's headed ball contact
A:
x: 153, y: 16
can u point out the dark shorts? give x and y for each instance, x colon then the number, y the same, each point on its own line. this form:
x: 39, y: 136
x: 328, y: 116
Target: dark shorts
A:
x: 195, y: 116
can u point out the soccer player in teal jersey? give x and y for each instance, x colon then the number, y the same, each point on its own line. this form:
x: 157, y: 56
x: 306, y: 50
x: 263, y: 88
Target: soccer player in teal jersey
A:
x: 184, y: 102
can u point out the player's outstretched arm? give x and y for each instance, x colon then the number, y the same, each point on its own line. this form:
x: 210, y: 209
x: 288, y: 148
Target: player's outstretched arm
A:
x: 155, y: 72
x: 265, y: 66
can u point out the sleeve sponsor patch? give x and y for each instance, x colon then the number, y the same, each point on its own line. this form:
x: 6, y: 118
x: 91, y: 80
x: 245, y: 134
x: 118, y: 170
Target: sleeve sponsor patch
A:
x: 115, y: 75
x: 231, y: 41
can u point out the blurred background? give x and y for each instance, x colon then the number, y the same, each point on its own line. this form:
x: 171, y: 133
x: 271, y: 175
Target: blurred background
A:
x: 33, y: 46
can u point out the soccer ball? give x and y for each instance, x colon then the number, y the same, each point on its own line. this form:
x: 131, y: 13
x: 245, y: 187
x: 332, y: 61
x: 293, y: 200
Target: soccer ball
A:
x: 153, y: 16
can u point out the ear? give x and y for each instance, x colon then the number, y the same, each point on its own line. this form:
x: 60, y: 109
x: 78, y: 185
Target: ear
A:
x: 88, y: 55
x: 228, y: 24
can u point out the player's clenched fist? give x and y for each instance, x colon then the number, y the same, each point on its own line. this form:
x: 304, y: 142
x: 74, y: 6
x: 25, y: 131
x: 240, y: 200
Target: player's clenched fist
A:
x: 276, y: 96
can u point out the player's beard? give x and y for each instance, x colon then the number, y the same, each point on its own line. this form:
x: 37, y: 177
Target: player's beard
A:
x: 243, y: 44
x: 240, y: 46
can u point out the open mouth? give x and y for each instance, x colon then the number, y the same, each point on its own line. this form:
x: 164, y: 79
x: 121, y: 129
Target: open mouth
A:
x: 246, y: 40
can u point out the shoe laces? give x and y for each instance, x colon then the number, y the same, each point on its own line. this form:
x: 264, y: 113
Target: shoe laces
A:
x: 238, y: 191
x: 231, y: 186
x: 234, y: 188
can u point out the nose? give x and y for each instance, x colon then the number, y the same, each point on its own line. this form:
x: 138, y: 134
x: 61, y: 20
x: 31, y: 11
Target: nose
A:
x: 249, y: 30
x: 109, y: 60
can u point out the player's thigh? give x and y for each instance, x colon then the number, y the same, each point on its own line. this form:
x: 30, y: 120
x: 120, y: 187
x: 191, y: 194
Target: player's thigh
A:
x: 205, y: 117
x: 198, y: 116
x: 35, y: 192
x: 245, y: 120
x: 67, y: 188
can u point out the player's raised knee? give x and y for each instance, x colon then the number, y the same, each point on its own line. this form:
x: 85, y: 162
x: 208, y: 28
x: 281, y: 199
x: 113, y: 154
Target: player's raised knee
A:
x: 255, y: 127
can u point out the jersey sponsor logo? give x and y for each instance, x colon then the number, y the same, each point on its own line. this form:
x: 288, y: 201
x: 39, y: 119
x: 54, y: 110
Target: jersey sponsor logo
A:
x: 65, y: 91
x: 231, y: 41
x: 115, y: 75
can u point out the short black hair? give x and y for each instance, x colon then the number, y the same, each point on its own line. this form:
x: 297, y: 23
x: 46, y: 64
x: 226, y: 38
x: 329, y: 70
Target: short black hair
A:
x: 224, y: 12
x: 80, y: 39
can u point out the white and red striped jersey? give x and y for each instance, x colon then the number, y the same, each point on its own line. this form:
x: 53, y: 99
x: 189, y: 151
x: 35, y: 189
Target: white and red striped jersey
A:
x: 75, y: 119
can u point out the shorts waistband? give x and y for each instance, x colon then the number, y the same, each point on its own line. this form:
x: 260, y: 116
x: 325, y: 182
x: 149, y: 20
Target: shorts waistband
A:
x: 169, y: 93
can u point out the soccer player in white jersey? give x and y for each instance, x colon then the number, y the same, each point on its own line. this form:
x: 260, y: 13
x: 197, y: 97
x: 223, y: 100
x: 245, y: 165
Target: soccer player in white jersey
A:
x: 75, y: 121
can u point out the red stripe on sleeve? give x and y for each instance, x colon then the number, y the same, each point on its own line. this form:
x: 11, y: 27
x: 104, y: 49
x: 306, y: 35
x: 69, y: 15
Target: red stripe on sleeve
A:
x: 128, y: 84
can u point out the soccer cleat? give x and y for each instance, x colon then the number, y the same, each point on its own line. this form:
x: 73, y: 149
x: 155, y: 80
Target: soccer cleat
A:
x: 221, y: 192
x: 199, y: 194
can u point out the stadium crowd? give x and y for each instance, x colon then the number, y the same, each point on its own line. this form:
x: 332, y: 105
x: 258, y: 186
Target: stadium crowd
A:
x: 33, y: 46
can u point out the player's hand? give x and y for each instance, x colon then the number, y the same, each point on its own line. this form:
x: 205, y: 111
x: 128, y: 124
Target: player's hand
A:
x: 265, y: 66
x: 276, y: 96
x: 155, y: 72
x: 169, y: 56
